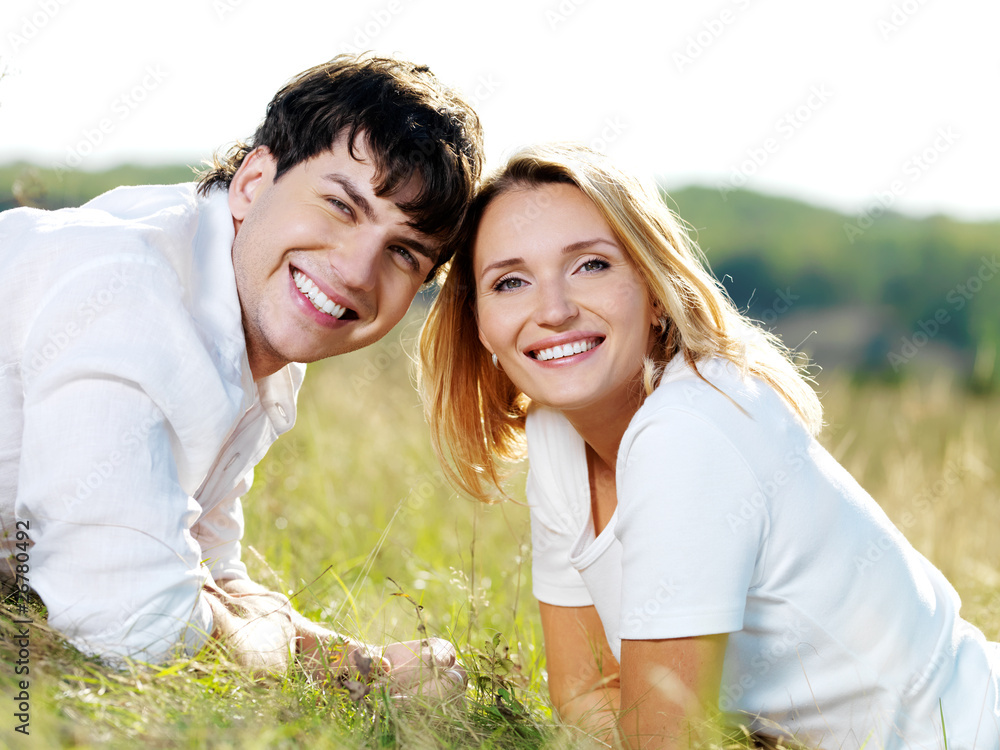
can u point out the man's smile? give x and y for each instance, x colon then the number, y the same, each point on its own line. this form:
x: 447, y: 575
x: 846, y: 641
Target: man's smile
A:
x: 319, y: 299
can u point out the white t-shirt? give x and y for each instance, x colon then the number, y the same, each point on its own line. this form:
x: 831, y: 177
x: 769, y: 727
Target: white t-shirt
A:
x: 129, y: 420
x: 739, y: 522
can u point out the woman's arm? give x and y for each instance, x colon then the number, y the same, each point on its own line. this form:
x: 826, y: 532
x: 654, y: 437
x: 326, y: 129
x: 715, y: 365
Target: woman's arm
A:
x: 583, y: 673
x: 670, y: 690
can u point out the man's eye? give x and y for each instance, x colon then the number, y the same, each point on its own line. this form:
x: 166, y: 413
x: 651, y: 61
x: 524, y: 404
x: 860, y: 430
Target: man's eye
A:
x: 339, y: 205
x: 407, y: 257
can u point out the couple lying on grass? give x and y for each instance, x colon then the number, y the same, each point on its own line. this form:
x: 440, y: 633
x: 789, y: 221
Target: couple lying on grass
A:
x: 698, y: 558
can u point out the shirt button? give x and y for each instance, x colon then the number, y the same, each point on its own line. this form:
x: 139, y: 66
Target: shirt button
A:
x: 231, y: 462
x: 281, y: 411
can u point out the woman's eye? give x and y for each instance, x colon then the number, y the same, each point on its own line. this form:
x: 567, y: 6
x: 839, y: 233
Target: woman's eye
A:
x: 594, y: 264
x: 507, y: 284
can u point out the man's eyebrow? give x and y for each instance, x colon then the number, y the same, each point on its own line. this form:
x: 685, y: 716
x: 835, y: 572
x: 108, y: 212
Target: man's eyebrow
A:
x: 358, y: 199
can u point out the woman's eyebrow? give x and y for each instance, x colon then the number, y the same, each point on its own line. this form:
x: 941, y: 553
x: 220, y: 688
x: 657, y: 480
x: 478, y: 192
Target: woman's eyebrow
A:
x: 505, y: 263
x: 583, y: 244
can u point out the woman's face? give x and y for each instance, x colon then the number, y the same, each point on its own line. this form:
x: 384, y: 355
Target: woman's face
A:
x: 558, y: 301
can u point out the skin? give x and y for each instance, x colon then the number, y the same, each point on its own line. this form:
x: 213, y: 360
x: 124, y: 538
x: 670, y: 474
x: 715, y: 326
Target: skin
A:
x: 265, y: 634
x: 559, y: 275
x: 322, y: 218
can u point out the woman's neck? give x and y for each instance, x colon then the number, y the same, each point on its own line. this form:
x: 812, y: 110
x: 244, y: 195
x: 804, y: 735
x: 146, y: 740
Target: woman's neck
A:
x: 602, y: 425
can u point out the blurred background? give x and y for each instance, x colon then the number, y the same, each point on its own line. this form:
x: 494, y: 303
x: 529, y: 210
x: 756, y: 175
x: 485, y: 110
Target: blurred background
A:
x: 836, y: 162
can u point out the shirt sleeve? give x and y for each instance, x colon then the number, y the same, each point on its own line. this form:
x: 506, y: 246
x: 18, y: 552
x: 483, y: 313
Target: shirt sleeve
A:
x: 219, y: 533
x: 691, y: 521
x: 556, y: 521
x: 115, y: 380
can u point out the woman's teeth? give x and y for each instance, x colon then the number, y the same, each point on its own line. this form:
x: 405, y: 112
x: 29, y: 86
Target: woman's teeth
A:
x: 558, y: 352
x: 320, y: 301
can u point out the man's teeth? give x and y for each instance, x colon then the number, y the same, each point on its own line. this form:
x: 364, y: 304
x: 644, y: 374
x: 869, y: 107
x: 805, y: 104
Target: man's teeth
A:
x: 320, y: 301
x: 558, y: 352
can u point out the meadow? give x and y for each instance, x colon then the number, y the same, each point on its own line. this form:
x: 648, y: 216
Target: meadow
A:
x: 350, y: 516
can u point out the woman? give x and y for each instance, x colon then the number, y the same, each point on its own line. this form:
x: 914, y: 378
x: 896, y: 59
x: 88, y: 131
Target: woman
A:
x: 694, y: 548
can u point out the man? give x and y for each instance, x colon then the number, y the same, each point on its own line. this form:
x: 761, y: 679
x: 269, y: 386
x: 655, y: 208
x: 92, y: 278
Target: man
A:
x: 149, y: 351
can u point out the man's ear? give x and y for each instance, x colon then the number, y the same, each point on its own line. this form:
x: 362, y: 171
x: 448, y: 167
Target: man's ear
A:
x: 258, y: 168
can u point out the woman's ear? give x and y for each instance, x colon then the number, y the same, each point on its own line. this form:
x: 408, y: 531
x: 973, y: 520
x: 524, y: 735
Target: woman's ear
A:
x: 656, y: 315
x: 257, y: 169
x: 482, y: 341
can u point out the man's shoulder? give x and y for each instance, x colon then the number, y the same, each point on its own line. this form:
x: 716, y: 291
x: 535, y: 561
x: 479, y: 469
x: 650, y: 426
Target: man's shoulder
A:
x: 126, y: 212
x: 149, y: 223
x: 146, y: 204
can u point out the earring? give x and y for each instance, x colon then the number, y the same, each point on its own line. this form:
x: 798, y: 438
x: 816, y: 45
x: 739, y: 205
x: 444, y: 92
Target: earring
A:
x: 496, y: 364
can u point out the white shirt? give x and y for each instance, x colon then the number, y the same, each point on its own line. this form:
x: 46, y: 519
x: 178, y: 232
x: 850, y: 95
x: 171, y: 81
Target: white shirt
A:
x: 129, y: 421
x: 839, y: 631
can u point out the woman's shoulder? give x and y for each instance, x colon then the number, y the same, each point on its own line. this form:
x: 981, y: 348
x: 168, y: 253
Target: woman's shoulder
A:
x: 713, y: 399
x: 713, y: 382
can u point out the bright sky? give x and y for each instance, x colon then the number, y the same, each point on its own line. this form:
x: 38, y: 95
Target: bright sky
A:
x: 829, y: 102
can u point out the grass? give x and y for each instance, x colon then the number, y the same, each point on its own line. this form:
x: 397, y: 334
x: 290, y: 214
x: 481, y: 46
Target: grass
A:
x: 350, y: 516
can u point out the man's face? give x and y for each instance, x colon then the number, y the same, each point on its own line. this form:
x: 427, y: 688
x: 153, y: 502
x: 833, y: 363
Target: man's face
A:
x: 323, y: 266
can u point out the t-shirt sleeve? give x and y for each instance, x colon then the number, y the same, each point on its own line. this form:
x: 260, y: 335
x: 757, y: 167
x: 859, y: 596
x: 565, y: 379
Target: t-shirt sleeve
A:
x: 691, y: 521
x: 556, y: 521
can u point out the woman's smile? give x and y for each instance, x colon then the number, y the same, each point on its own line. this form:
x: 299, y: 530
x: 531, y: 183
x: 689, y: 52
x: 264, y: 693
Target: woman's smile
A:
x: 552, y: 350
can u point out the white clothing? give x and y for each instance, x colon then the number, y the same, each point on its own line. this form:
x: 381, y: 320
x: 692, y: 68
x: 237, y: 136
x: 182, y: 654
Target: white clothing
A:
x: 129, y: 421
x: 741, y: 523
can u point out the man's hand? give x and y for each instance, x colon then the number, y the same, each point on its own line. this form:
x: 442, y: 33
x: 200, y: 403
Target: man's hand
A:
x: 426, y: 668
x: 256, y: 626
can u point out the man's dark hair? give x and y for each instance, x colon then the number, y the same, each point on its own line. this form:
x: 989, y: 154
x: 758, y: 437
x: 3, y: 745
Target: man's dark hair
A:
x: 411, y: 123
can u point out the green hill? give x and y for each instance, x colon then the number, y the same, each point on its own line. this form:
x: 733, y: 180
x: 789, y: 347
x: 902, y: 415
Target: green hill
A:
x: 918, y: 292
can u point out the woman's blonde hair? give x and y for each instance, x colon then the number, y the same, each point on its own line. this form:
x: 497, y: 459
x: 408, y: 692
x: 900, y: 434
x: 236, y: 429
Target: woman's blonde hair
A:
x: 476, y: 414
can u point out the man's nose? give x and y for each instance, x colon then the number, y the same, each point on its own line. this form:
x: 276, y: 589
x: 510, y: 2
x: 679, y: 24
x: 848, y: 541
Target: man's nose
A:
x: 356, y: 258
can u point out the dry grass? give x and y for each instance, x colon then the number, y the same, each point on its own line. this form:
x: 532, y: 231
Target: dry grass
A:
x: 353, y: 519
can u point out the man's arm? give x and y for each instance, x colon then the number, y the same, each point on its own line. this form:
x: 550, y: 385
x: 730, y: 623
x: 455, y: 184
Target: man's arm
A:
x: 117, y: 425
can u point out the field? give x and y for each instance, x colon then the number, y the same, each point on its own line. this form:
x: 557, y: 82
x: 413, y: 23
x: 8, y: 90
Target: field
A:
x: 352, y: 517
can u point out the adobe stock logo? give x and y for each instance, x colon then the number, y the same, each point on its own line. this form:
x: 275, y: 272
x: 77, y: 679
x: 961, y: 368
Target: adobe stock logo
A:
x: 32, y: 24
